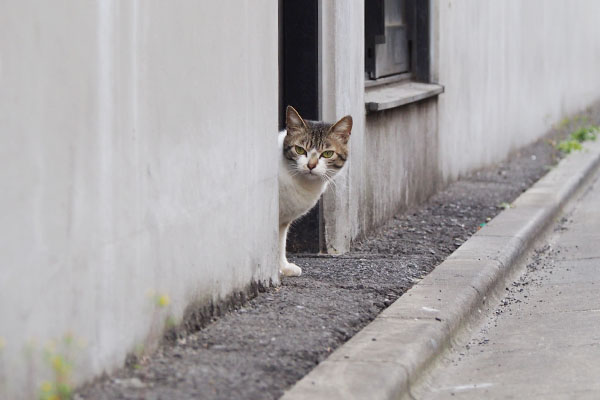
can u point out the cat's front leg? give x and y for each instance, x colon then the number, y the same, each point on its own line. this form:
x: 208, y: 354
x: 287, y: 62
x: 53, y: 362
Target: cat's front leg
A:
x: 286, y: 268
x: 290, y: 269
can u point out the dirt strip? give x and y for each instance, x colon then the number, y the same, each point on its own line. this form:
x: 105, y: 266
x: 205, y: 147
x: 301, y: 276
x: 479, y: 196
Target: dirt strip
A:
x: 262, y: 348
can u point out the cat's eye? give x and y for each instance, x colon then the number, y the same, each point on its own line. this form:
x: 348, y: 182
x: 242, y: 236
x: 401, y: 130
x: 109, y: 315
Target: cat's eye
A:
x: 300, y: 150
x: 327, y: 153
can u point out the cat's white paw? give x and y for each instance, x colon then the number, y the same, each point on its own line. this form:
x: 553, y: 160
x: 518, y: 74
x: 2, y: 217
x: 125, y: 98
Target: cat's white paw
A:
x: 290, y: 269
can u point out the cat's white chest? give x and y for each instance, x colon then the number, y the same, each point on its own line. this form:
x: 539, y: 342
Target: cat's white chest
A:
x: 296, y: 195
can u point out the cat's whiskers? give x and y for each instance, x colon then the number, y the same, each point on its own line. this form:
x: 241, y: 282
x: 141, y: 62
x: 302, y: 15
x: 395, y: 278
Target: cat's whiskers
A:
x: 295, y: 171
x: 332, y: 183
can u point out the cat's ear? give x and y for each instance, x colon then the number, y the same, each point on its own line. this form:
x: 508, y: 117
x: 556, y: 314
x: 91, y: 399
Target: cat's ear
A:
x: 343, y: 128
x: 293, y: 120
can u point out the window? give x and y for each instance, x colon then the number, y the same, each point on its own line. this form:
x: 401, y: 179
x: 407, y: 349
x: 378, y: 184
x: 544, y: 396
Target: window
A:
x: 397, y: 56
x: 386, y: 38
x: 397, y: 39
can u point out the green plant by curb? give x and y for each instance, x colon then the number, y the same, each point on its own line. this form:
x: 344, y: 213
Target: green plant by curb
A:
x: 578, y: 136
x: 585, y: 133
x: 567, y: 146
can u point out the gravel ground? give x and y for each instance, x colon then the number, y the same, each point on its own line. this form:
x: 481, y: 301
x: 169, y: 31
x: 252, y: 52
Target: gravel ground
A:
x: 263, y: 347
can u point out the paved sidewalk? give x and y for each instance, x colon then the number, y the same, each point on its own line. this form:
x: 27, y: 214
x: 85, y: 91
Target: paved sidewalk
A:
x: 543, y: 341
x: 391, y: 356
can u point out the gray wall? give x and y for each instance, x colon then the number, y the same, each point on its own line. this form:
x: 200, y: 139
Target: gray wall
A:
x: 510, y: 69
x: 402, y: 147
x: 136, y: 148
x: 342, y: 91
x: 394, y: 153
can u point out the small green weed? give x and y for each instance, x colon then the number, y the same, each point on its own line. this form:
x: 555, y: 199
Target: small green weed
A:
x: 60, y: 388
x: 585, y: 133
x: 161, y: 323
x: 580, y: 135
x: 567, y: 146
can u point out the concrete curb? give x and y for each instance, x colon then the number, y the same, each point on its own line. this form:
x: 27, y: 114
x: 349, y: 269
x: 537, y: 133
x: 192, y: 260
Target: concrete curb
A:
x: 388, y: 355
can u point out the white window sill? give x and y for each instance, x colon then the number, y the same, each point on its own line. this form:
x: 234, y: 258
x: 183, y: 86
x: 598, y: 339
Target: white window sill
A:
x: 397, y: 94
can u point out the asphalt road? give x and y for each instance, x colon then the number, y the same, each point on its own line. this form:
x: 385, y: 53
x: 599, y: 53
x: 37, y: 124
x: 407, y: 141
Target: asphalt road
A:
x: 543, y: 339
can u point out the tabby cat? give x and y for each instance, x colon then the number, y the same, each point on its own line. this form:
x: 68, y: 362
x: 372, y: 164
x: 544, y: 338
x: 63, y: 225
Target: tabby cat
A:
x: 311, y: 154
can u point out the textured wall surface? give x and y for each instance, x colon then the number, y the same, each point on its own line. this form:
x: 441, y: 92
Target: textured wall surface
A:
x: 342, y: 93
x: 511, y: 69
x: 135, y: 142
x: 401, y: 146
x: 393, y: 154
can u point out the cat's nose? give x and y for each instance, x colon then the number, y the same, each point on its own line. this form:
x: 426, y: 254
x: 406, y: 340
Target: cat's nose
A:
x: 312, y: 164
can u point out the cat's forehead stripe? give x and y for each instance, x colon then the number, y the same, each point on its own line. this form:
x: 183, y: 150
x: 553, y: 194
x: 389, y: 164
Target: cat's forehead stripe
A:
x: 317, y: 133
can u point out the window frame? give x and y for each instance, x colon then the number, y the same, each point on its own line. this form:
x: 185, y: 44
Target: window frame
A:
x: 413, y: 86
x: 418, y: 36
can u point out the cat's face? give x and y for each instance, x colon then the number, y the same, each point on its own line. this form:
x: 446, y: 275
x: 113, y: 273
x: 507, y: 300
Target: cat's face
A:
x: 315, y: 150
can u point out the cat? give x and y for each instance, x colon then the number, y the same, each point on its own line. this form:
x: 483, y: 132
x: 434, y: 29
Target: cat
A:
x: 311, y: 154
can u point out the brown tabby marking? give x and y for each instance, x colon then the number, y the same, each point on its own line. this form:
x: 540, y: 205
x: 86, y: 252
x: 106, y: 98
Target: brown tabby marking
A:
x: 319, y: 136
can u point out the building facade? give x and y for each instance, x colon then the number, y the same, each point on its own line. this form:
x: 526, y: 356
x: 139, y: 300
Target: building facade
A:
x: 139, y: 157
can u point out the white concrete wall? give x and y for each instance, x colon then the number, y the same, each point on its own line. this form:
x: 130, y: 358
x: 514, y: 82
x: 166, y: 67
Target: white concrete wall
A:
x: 393, y: 154
x: 342, y: 93
x: 136, y: 143
x: 511, y: 69
x: 402, y: 147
